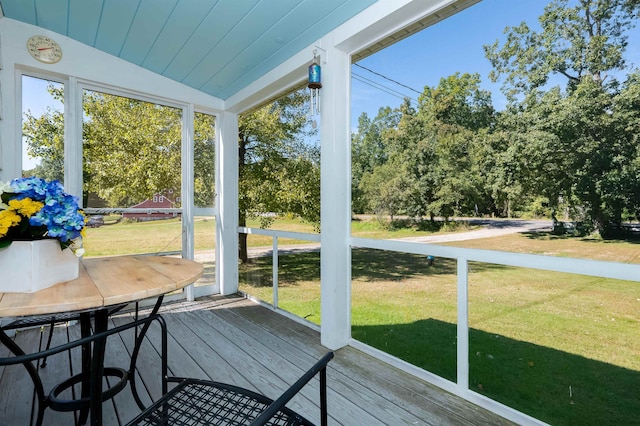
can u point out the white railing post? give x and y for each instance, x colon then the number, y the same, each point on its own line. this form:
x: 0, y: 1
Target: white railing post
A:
x: 275, y: 272
x: 463, y: 325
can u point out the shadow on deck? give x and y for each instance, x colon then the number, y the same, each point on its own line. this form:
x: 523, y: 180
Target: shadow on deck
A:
x: 233, y: 340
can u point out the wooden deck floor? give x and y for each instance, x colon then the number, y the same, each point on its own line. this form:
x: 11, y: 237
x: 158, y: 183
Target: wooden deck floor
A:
x: 234, y: 340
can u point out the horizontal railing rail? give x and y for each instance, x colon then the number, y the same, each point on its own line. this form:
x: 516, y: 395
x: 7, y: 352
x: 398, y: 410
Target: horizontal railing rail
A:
x: 595, y: 268
x: 281, y: 234
x: 117, y: 210
x: 275, y: 235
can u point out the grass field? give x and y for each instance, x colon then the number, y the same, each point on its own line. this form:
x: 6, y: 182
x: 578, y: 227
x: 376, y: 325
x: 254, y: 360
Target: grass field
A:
x: 563, y: 348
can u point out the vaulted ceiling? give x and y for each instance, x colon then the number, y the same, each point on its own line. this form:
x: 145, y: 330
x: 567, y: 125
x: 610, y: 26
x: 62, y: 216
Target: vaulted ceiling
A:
x: 215, y: 46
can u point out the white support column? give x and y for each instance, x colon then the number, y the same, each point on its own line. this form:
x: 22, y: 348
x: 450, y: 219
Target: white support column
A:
x: 186, y: 191
x: 335, y: 196
x: 10, y: 123
x: 73, y: 163
x: 227, y: 202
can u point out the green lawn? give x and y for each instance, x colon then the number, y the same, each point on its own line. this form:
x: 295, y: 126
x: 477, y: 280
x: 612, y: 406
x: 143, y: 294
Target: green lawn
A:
x: 146, y: 237
x: 562, y: 348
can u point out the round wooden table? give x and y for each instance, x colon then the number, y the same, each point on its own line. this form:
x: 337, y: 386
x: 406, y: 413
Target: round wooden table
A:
x: 105, y: 281
x: 104, y: 286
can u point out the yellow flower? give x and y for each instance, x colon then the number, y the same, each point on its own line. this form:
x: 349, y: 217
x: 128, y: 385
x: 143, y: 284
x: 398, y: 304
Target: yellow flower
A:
x: 8, y: 218
x: 26, y: 207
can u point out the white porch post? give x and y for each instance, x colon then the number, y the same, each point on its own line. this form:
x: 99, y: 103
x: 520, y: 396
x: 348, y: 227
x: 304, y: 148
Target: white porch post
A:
x: 335, y: 204
x: 227, y: 202
x: 10, y: 122
x: 73, y: 163
x: 187, y: 191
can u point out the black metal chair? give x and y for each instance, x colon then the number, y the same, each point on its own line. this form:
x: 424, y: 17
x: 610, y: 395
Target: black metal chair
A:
x: 93, y: 369
x: 204, y: 402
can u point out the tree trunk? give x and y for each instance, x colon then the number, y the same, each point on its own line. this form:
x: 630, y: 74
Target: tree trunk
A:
x: 243, y: 253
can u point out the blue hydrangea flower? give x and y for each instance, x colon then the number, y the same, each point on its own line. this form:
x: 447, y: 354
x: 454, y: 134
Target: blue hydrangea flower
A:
x: 60, y: 216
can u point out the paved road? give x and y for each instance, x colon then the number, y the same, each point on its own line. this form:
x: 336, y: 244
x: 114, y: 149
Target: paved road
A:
x: 490, y: 228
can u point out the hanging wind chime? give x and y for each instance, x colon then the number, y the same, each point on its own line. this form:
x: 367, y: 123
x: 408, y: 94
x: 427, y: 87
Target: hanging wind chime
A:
x: 315, y: 85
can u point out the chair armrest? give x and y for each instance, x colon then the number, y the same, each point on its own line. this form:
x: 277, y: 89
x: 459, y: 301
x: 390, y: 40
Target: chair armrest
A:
x: 278, y: 404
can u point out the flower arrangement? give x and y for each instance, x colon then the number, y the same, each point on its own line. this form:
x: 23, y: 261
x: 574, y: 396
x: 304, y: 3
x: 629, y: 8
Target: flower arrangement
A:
x: 34, y: 209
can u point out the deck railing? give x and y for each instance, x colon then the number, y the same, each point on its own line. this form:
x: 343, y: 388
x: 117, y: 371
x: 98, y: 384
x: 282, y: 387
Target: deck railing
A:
x: 462, y: 256
x: 276, y: 235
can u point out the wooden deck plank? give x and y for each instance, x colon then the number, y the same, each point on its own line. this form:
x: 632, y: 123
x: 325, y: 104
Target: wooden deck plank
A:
x: 390, y: 387
x: 303, y: 354
x: 16, y: 388
x: 269, y: 372
x: 117, y: 355
x: 341, y: 380
x: 57, y: 366
x: 148, y: 362
x: 234, y: 340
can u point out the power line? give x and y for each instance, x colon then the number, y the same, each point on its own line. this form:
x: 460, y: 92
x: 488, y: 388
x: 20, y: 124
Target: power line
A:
x: 387, y: 78
x: 381, y: 87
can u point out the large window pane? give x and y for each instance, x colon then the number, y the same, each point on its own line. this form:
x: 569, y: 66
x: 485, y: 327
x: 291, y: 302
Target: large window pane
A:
x: 405, y: 304
x: 204, y: 196
x: 204, y: 160
x: 132, y: 160
x: 560, y: 347
x: 42, y: 128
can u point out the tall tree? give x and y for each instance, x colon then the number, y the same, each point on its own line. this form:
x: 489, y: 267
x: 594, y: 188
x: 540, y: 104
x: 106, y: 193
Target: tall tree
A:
x: 579, y: 39
x: 44, y: 137
x: 369, y: 150
x: 279, y: 170
x: 571, y: 147
x: 131, y: 149
x: 452, y: 115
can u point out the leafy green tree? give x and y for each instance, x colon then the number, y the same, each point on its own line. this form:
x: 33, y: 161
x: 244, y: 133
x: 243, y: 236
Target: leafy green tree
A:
x: 204, y: 160
x: 131, y: 149
x: 454, y: 115
x: 458, y: 100
x: 387, y: 188
x: 425, y: 161
x: 122, y: 166
x: 579, y: 39
x: 279, y: 171
x: 573, y: 141
x: 44, y: 137
x: 369, y: 150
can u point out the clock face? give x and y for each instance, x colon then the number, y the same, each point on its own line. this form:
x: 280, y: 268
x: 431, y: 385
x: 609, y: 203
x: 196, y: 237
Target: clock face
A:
x: 44, y: 49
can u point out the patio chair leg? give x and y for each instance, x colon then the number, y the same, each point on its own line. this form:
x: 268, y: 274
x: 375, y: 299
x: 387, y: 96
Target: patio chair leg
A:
x: 44, y: 360
x: 323, y: 397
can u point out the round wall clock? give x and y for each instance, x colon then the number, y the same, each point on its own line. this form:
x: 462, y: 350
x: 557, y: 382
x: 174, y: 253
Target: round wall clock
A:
x: 44, y: 49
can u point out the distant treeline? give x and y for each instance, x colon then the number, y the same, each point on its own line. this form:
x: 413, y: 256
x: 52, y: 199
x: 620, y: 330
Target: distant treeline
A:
x: 569, y: 153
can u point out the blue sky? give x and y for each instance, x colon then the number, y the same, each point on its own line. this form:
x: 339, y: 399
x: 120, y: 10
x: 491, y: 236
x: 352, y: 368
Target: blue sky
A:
x: 453, y: 45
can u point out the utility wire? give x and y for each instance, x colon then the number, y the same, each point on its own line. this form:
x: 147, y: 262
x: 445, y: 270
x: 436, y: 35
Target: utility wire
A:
x: 381, y: 87
x: 387, y: 78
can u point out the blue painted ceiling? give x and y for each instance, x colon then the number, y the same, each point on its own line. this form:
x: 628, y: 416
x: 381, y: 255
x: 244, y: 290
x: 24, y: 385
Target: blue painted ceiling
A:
x: 215, y: 46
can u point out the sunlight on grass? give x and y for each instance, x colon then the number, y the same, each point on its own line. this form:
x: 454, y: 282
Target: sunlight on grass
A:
x: 533, y: 334
x: 118, y: 238
x: 560, y: 347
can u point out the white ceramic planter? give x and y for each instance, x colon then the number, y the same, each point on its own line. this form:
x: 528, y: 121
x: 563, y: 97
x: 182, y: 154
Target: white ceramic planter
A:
x: 29, y: 266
